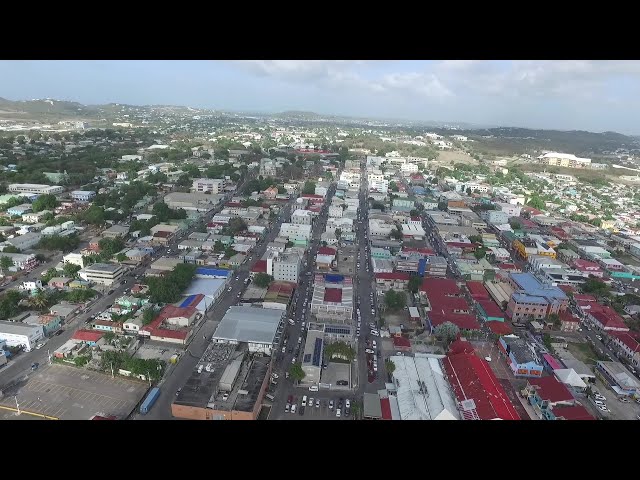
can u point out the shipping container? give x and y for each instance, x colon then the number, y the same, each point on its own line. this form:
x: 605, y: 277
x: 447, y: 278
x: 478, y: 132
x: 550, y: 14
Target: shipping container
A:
x: 153, y: 395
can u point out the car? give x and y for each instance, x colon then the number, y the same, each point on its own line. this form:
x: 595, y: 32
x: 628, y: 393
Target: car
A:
x: 373, y: 312
x: 287, y: 407
x: 59, y: 332
x: 229, y: 289
x: 110, y: 292
x: 600, y: 397
x: 275, y: 375
x: 599, y: 403
x: 374, y: 344
x: 624, y: 400
x: 375, y: 368
x: 225, y: 397
x: 301, y: 411
x: 375, y: 333
x: 39, y: 346
x: 603, y: 408
x: 342, y: 383
x: 330, y: 404
x: 317, y: 403
x: 293, y: 408
x: 488, y: 359
x: 599, y: 337
x: 338, y: 412
x: 178, y: 391
x: 34, y: 366
x: 368, y: 350
x: 293, y: 360
x: 304, y: 401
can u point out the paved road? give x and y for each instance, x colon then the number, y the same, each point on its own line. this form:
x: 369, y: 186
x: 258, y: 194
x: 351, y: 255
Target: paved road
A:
x: 178, y: 374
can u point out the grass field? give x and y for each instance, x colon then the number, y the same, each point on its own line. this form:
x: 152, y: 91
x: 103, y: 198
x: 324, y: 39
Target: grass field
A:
x: 446, y: 158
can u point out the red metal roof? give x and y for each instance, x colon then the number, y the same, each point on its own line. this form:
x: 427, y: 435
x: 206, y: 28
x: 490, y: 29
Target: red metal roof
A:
x: 460, y: 346
x: 424, y: 251
x: 87, y: 335
x: 627, y: 340
x: 509, y: 266
x: 577, y: 412
x: 333, y: 295
x: 326, y: 251
x: 491, y: 308
x: 463, y: 245
x: 471, y: 378
x: 586, y: 264
x: 500, y: 328
x: 464, y: 321
x: 162, y: 234
x: 444, y: 286
x: 385, y: 406
x: 260, y: 267
x: 551, y: 389
x: 393, y: 276
x: 401, y: 342
x: 477, y: 290
x: 567, y: 288
x: 567, y: 316
x: 583, y: 297
x: 609, y: 319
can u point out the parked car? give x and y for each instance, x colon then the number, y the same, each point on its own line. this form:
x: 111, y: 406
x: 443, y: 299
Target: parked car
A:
x: 338, y: 412
x: 330, y: 404
x: 34, y: 366
x: 368, y: 350
x: 293, y: 408
x: 600, y: 397
x: 59, y: 332
x: 39, y: 346
x: 342, y: 383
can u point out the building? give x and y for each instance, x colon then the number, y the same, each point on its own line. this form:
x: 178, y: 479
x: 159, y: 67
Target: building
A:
x: 312, y: 357
x: 619, y: 379
x: 50, y: 323
x: 533, y: 300
x: 526, y: 247
x: 195, y: 202
x: 22, y: 261
x: 392, y: 281
x: 35, y: 189
x: 83, y: 196
x: 546, y: 394
x: 520, y: 357
x: 564, y: 160
x: 102, y: 273
x: 479, y: 394
x: 228, y: 384
x: 256, y: 327
x: 208, y: 185
x: 17, y: 334
x: 74, y: 258
x: 296, y: 233
x: 287, y: 267
x: 332, y: 298
x: 422, y: 390
x: 115, y: 231
x: 302, y: 217
x: 19, y: 210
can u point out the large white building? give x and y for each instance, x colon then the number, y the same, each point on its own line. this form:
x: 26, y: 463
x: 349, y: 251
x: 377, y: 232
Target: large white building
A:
x: 17, y: 334
x: 302, y: 217
x: 35, y: 189
x: 564, y: 160
x: 256, y: 327
x: 102, y: 273
x: 295, y: 232
x: 75, y: 258
x: 286, y: 267
x: 211, y: 185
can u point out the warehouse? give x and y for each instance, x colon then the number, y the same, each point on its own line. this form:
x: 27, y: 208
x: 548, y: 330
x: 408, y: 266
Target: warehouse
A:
x: 17, y: 334
x: 258, y: 327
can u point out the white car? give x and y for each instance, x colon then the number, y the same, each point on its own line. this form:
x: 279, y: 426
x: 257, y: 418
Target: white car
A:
x: 599, y: 403
x: 488, y: 359
x: 375, y: 345
x: 338, y: 412
x: 603, y: 408
x: 293, y: 360
x: 600, y: 397
x: 368, y: 350
x: 39, y: 346
x: 375, y: 333
x: 284, y: 349
x: 293, y: 408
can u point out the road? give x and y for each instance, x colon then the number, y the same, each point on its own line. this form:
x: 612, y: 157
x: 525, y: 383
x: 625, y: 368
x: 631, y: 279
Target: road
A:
x: 178, y: 374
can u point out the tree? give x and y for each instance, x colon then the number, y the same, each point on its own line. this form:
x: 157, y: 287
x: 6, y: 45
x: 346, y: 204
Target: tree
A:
x: 395, y: 300
x: 393, y: 186
x: 480, y: 253
x: 598, y: 287
x: 109, y: 337
x: 390, y: 366
x: 39, y: 301
x: 396, y: 233
x: 338, y: 233
x: 447, y: 332
x: 229, y: 252
x: 5, y: 264
x: 49, y: 274
x: 56, y: 242
x: 415, y: 283
x: 168, y: 289
x: 44, y: 202
x: 296, y: 372
x: 70, y: 270
x: 111, y: 246
x: 378, y: 205
x: 11, y: 249
x: 414, y: 213
x: 262, y: 280
x: 555, y: 318
x: 475, y: 239
x: 309, y: 188
x: 9, y: 304
x: 121, y: 257
x: 149, y: 315
x: 536, y: 202
x: 339, y: 350
x: 237, y: 224
x: 94, y: 215
x: 515, y: 224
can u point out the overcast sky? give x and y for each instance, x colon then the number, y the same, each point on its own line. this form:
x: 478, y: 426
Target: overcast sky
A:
x: 567, y: 95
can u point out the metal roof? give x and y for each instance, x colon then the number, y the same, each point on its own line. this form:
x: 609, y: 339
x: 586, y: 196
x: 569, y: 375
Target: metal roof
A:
x: 249, y: 324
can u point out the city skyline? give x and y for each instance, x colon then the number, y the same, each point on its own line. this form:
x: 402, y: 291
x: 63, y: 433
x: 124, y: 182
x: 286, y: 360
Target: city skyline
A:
x: 565, y: 95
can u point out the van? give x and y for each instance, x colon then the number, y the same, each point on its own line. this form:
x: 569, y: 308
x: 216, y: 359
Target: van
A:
x: 313, y: 388
x: 270, y: 397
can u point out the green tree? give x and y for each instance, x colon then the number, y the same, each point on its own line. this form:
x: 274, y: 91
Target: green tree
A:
x: 262, y: 280
x: 121, y: 257
x: 149, y: 315
x: 70, y: 270
x: 111, y: 246
x: 390, y: 366
x: 94, y: 215
x: 49, y: 274
x: 395, y: 300
x: 396, y: 234
x: 447, y: 332
x: 5, y: 264
x: 480, y: 253
x: 555, y: 318
x: 11, y: 249
x: 44, y: 202
x: 536, y: 202
x: 415, y: 283
x: 296, y: 372
x: 339, y: 350
x: 515, y: 224
x: 414, y: 213
x: 80, y: 295
x: 237, y: 224
x: 309, y: 188
x: 168, y: 289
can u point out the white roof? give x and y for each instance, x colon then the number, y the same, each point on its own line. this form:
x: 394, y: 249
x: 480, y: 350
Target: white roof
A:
x: 568, y: 376
x: 568, y: 156
x: 423, y: 391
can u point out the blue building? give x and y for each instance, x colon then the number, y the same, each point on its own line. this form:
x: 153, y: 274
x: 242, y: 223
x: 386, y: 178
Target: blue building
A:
x: 83, y: 196
x: 520, y: 357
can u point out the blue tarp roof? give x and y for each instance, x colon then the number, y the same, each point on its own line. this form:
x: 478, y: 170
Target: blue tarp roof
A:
x: 187, y: 301
x: 218, y: 272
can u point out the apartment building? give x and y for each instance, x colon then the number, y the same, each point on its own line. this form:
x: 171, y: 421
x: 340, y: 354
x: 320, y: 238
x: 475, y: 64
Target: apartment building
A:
x: 83, y: 196
x: 208, y: 185
x: 102, y: 273
x: 35, y: 189
x: 287, y: 267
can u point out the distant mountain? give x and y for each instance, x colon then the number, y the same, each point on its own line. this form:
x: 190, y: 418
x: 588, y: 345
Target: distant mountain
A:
x: 45, y: 106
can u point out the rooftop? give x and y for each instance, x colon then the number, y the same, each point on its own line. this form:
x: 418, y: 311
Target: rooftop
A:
x: 249, y: 324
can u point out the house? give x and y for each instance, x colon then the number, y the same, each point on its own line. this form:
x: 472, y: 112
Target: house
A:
x: 59, y: 282
x: 546, y: 393
x: 520, y: 357
x: 115, y: 231
x: 568, y: 321
x: 107, y: 326
x: 64, y: 310
x: 50, y: 323
x: 90, y: 337
x: 627, y: 346
x: 392, y: 281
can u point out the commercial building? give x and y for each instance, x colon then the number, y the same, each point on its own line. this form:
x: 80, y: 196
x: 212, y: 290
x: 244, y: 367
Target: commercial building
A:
x: 298, y: 234
x: 228, y: 383
x: 26, y: 241
x: 332, y: 298
x: 35, y: 189
x: 392, y: 281
x: 312, y: 357
x: 19, y: 210
x: 619, y: 379
x: 479, y: 393
x: 286, y: 267
x: 22, y: 261
x: 302, y: 217
x: 257, y: 327
x: 17, y: 334
x: 210, y: 185
x: 83, y: 196
x: 548, y: 397
x: 102, y: 273
x: 532, y: 299
x: 422, y: 389
x: 195, y: 202
x: 74, y: 258
x: 564, y: 160
x: 520, y: 357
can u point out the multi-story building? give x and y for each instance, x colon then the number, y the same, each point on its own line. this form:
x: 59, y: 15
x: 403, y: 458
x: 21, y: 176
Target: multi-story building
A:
x: 533, y: 300
x: 35, y: 189
x: 392, y: 281
x: 525, y: 247
x: 17, y: 334
x: 302, y: 217
x: 335, y: 211
x: 102, y: 273
x: 22, y: 261
x: 496, y: 217
x: 564, y: 160
x: 74, y: 258
x: 211, y: 185
x: 286, y: 267
x: 35, y: 217
x: 520, y: 357
x: 83, y: 196
x: 296, y: 233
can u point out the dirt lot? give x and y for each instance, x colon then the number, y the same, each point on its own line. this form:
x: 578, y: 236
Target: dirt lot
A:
x: 446, y: 157
x: 583, y: 352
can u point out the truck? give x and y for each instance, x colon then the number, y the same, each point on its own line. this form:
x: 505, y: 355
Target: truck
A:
x: 150, y: 400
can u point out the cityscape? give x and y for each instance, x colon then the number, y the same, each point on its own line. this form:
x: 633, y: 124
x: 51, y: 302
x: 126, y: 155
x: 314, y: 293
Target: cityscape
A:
x: 168, y: 262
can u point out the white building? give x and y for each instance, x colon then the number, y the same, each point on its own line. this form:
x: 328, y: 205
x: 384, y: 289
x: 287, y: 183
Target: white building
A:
x: 295, y: 232
x: 335, y: 211
x: 211, y: 185
x: 564, y: 160
x: 510, y: 209
x: 35, y: 189
x: 409, y: 168
x: 287, y: 268
x: 255, y: 326
x: 74, y: 258
x: 83, y: 196
x: 102, y: 273
x: 30, y: 285
x: 17, y: 334
x: 302, y: 217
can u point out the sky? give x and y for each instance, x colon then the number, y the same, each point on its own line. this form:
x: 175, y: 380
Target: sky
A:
x: 598, y: 96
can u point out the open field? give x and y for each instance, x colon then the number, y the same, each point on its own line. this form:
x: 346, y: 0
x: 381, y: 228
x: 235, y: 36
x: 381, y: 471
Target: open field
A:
x: 446, y: 158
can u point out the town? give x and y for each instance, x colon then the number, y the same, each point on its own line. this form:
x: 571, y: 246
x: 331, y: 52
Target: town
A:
x: 189, y: 265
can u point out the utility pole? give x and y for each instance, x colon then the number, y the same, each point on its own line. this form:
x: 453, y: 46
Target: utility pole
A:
x: 49, y: 356
x: 17, y: 405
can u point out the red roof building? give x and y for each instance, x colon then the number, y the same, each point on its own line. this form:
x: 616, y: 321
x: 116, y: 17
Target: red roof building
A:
x: 491, y: 310
x: 626, y: 342
x: 477, y: 290
x: 583, y: 297
x: 385, y: 407
x: 393, y: 276
x: 460, y: 346
x: 89, y: 336
x: 402, y: 344
x: 424, y: 251
x: 444, y: 286
x: 333, y: 295
x: 551, y: 390
x: 608, y: 319
x: 471, y: 378
x: 576, y: 412
x: 326, y: 251
x: 462, y: 321
x: 567, y: 288
x: 259, y: 267
x: 500, y: 328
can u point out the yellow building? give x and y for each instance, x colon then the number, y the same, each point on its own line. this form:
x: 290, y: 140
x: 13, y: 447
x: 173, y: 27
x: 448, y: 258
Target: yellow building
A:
x: 527, y: 247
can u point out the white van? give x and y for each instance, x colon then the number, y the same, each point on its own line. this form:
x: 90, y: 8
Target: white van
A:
x: 313, y: 388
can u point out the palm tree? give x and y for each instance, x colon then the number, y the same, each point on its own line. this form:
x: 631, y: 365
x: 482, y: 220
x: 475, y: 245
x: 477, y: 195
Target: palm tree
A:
x: 39, y: 301
x: 5, y: 264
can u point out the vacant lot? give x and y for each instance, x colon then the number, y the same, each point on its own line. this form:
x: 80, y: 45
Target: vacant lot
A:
x: 67, y: 393
x: 446, y: 158
x: 583, y: 352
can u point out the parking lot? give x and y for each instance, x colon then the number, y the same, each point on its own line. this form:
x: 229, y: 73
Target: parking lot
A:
x: 67, y: 393
x: 323, y: 412
x: 337, y: 372
x: 498, y: 363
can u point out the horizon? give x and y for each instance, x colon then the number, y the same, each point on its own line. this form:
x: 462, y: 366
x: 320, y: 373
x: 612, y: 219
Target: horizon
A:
x: 593, y: 96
